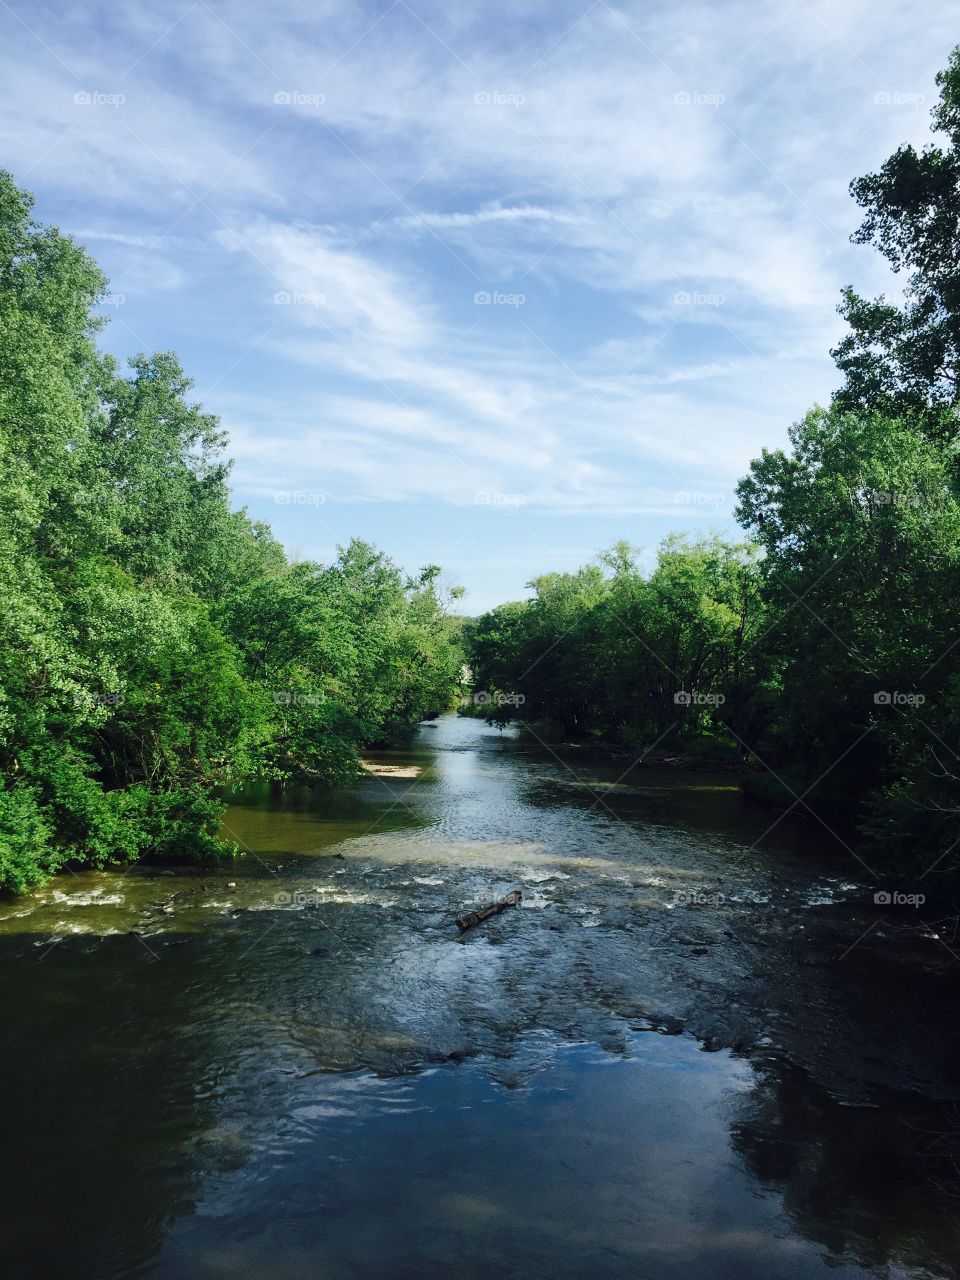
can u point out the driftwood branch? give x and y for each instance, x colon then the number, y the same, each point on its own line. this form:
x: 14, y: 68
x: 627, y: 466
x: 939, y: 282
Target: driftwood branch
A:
x: 471, y: 918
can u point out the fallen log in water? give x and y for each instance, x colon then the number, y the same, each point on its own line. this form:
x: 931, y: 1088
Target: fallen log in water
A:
x: 471, y: 918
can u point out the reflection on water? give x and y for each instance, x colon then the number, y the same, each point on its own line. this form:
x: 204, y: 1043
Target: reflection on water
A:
x: 668, y: 1061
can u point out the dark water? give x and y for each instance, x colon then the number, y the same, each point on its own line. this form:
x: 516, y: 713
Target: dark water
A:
x: 675, y: 1059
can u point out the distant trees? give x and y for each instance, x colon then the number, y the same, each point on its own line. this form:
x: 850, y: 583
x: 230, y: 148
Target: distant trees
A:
x: 155, y: 645
x: 667, y: 657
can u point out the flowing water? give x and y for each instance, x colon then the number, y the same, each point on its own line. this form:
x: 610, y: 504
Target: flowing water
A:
x: 697, y: 1048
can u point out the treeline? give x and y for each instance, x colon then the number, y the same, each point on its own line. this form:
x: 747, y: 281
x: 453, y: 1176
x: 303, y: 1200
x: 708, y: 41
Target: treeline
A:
x: 825, y: 648
x: 155, y: 645
x: 638, y: 659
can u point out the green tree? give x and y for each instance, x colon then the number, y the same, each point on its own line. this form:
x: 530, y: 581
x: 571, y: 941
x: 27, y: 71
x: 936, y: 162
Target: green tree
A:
x: 906, y: 358
x: 861, y: 531
x: 156, y: 647
x: 659, y: 660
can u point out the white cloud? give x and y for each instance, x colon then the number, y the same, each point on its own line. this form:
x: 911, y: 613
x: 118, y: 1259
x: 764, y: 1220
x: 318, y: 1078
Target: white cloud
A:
x: 480, y: 217
x: 598, y: 160
x: 333, y: 287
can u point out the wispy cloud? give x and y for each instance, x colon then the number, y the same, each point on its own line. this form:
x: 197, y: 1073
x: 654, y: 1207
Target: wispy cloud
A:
x: 586, y: 253
x: 480, y: 217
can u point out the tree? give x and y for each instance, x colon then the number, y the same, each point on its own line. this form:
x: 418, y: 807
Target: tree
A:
x: 860, y: 526
x: 906, y: 358
x: 156, y: 646
x: 640, y: 660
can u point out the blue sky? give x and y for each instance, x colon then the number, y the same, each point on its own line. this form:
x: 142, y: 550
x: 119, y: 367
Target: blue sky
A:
x: 492, y: 285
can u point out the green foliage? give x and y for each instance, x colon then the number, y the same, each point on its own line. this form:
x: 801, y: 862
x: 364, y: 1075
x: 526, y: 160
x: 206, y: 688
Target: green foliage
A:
x: 156, y: 646
x: 907, y: 357
x: 27, y: 853
x: 861, y: 530
x: 665, y: 661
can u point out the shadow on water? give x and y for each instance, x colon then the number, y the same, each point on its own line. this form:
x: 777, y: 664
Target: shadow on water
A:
x: 667, y: 1062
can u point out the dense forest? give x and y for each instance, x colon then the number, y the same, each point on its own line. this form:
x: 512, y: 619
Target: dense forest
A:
x: 823, y: 649
x: 157, y: 647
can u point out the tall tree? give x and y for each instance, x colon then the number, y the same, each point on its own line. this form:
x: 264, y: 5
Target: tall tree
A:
x: 155, y: 645
x: 906, y: 357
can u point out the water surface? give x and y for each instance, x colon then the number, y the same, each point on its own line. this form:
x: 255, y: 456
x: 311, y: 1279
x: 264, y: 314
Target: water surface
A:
x: 698, y: 1048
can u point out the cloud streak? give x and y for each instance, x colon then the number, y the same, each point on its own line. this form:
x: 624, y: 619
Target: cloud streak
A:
x: 307, y: 203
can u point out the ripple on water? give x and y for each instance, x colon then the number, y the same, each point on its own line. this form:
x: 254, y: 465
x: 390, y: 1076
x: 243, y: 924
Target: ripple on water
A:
x: 276, y: 1084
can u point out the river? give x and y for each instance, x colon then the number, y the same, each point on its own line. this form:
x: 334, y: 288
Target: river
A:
x: 698, y: 1048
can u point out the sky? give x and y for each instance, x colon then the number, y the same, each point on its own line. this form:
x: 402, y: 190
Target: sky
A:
x: 490, y: 285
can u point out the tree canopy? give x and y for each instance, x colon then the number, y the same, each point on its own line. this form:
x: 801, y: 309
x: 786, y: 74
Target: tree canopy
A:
x: 157, y: 646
